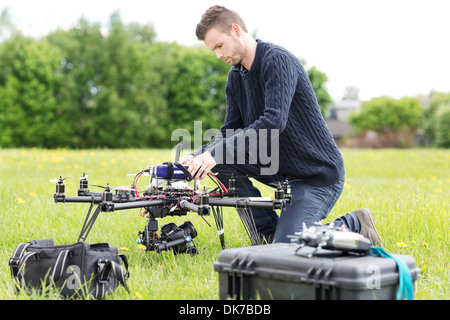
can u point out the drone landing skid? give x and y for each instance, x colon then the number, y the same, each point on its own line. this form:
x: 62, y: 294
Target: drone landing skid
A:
x: 89, y: 222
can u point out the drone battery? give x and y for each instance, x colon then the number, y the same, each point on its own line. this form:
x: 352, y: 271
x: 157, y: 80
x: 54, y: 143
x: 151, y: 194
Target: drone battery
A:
x: 161, y: 171
x: 281, y: 272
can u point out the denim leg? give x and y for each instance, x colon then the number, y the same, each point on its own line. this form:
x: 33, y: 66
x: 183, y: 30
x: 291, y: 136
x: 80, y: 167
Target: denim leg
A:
x: 309, y: 205
x: 265, y: 220
x: 350, y: 220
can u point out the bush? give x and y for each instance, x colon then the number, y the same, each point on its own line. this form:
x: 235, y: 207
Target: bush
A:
x: 436, y: 122
x: 29, y: 112
x: 442, y: 127
x: 384, y: 113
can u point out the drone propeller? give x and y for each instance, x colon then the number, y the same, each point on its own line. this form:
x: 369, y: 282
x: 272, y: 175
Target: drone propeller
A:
x: 275, y: 184
x: 281, y: 184
x: 117, y: 188
x: 61, y: 179
x: 104, y: 187
x: 84, y: 176
x: 60, y: 186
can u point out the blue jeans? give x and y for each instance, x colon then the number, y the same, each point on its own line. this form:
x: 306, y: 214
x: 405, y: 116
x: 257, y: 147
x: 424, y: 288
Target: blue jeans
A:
x: 309, y: 204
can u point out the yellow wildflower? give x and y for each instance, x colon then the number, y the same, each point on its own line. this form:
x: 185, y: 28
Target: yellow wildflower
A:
x: 138, y: 295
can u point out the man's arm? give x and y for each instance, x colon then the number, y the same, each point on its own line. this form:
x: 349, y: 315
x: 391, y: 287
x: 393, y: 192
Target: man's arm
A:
x: 279, y: 83
x: 201, y: 160
x: 279, y: 77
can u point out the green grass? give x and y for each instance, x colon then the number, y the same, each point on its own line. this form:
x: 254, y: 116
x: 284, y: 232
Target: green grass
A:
x: 407, y: 191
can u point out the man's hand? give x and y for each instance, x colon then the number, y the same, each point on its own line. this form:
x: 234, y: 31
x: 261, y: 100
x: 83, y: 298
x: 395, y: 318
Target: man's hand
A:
x: 186, y: 160
x: 199, y: 166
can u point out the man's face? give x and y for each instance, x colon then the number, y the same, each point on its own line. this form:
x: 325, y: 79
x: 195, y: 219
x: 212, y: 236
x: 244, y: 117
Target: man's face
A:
x: 227, y: 46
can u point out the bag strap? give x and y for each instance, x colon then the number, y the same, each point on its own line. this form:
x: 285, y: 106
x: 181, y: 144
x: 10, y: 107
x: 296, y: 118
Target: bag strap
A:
x: 405, y: 285
x: 58, y: 268
x: 125, y: 262
x: 16, y: 271
x: 15, y: 262
x: 19, y: 252
x: 108, y: 267
x: 20, y: 257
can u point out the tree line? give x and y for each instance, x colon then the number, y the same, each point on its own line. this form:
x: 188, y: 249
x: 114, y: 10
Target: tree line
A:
x: 117, y: 87
x: 429, y: 119
x: 90, y: 87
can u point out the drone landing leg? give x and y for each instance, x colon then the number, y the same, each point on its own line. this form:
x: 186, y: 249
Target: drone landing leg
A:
x: 88, y: 222
x: 249, y: 224
x: 218, y: 218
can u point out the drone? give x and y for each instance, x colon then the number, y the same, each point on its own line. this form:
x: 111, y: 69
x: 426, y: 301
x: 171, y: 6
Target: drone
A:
x: 330, y: 237
x: 170, y: 194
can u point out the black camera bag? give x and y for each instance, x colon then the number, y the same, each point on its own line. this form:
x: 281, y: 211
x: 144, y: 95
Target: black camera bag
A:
x: 77, y: 270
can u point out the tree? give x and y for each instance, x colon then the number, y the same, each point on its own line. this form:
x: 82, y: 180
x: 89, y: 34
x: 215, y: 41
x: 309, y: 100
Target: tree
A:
x: 351, y: 93
x: 383, y: 113
x: 128, y: 109
x: 198, y: 90
x: 7, y: 29
x: 436, y: 119
x: 110, y: 85
x: 318, y: 81
x: 29, y: 113
x: 81, y: 47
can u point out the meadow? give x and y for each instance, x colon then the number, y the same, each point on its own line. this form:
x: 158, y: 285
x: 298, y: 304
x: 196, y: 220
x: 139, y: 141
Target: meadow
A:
x: 407, y: 191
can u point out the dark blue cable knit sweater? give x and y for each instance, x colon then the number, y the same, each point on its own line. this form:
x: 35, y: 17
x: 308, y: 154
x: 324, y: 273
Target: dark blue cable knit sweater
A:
x: 277, y: 94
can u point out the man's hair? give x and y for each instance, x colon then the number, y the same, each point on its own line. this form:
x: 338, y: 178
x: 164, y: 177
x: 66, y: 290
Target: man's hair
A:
x: 218, y: 17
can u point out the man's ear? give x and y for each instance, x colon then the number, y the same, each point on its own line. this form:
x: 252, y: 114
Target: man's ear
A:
x: 235, y: 28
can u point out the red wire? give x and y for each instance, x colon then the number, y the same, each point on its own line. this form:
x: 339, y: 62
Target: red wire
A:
x: 135, y: 183
x: 163, y: 195
x: 220, y: 183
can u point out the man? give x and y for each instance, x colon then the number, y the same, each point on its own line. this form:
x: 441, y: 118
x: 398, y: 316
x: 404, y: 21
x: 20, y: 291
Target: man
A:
x: 271, y: 104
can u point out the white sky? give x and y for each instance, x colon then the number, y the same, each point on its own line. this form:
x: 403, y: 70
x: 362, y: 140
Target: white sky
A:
x: 384, y: 47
